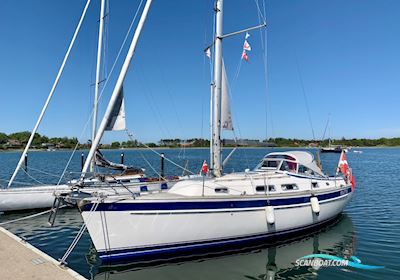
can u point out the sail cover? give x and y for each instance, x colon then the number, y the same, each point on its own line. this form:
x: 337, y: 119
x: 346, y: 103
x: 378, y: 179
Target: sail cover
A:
x: 101, y: 161
x: 117, y: 118
x: 226, y: 116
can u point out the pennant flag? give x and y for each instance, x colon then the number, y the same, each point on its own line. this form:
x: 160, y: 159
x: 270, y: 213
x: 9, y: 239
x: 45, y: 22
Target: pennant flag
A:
x: 208, y: 52
x: 246, y: 46
x: 244, y: 56
x: 343, y: 166
x: 204, y: 168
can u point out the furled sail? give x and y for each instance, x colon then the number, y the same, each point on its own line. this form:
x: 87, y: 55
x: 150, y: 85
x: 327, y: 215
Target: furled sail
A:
x: 226, y: 116
x: 101, y: 161
x: 117, y: 118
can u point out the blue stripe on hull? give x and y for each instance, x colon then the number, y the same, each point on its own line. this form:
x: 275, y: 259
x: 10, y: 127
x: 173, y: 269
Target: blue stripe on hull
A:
x: 199, y: 248
x: 140, y: 205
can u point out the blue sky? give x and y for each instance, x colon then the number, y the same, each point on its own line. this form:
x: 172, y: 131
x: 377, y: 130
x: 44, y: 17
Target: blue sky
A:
x: 347, y: 51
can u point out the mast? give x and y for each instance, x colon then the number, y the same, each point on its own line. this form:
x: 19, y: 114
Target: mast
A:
x: 117, y: 88
x: 97, y: 85
x: 216, y: 130
x: 46, y: 104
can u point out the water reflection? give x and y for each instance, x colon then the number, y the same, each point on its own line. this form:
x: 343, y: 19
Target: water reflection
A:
x: 274, y: 262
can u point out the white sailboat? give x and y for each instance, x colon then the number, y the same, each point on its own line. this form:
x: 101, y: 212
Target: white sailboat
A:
x: 286, y: 193
x: 130, y: 180
x: 277, y: 262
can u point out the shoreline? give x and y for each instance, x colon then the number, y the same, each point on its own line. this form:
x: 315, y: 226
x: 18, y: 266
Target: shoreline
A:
x: 194, y: 148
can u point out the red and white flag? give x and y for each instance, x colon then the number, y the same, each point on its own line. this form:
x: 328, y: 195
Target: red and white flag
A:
x: 246, y: 46
x: 343, y: 165
x: 344, y: 168
x: 244, y: 56
x: 204, y: 168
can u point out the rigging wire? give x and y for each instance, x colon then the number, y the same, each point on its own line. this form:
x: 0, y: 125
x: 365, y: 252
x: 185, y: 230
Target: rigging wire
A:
x: 262, y: 18
x: 305, y: 96
x: 326, y: 127
x: 44, y: 172
x: 80, y: 233
x: 18, y: 182
x: 29, y: 216
x: 151, y: 103
x: 34, y: 179
x: 102, y: 91
x: 154, y: 151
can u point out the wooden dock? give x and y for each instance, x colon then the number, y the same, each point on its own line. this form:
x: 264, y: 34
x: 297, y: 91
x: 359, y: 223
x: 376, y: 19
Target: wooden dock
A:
x: 20, y: 260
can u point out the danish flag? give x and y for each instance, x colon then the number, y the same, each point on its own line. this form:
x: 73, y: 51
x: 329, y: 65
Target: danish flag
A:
x: 343, y: 165
x: 204, y: 168
x: 344, y: 168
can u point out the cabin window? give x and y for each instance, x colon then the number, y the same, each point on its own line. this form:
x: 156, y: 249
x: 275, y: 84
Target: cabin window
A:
x: 305, y: 170
x: 314, y: 185
x: 288, y: 166
x: 284, y: 166
x: 221, y: 190
x: 273, y: 164
x: 271, y: 188
x: 289, y: 187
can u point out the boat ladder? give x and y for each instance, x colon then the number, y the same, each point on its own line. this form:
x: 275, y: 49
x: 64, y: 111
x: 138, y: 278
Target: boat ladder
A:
x: 54, y: 209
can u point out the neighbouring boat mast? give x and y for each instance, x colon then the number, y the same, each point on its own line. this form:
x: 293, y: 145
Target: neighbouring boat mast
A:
x: 117, y: 89
x: 97, y: 85
x: 216, y: 129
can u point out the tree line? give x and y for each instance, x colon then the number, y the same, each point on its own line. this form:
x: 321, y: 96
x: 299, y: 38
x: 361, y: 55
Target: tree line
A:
x: 18, y: 140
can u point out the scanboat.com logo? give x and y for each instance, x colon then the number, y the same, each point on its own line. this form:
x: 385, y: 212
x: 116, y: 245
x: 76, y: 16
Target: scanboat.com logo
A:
x: 319, y: 260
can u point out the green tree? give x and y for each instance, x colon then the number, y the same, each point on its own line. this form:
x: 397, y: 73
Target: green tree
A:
x: 115, y: 145
x: 3, y: 138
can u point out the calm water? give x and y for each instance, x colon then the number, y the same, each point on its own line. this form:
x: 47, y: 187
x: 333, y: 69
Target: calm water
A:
x: 368, y: 229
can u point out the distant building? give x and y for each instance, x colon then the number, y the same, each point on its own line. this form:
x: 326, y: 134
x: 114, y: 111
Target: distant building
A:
x: 247, y: 143
x: 170, y: 142
x: 48, y: 145
x: 187, y: 144
x: 12, y: 143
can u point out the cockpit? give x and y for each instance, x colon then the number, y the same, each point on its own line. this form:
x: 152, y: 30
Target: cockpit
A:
x: 295, y: 162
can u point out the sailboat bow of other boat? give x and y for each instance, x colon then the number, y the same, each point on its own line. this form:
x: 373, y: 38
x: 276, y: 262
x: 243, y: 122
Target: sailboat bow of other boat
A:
x: 285, y: 193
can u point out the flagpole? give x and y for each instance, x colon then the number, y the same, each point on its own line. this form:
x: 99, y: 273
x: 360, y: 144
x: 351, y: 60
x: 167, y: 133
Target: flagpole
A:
x: 117, y: 88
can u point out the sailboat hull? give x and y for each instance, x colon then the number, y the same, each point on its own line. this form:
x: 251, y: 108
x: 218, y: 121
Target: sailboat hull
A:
x: 41, y: 197
x: 131, y: 230
x: 28, y: 198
